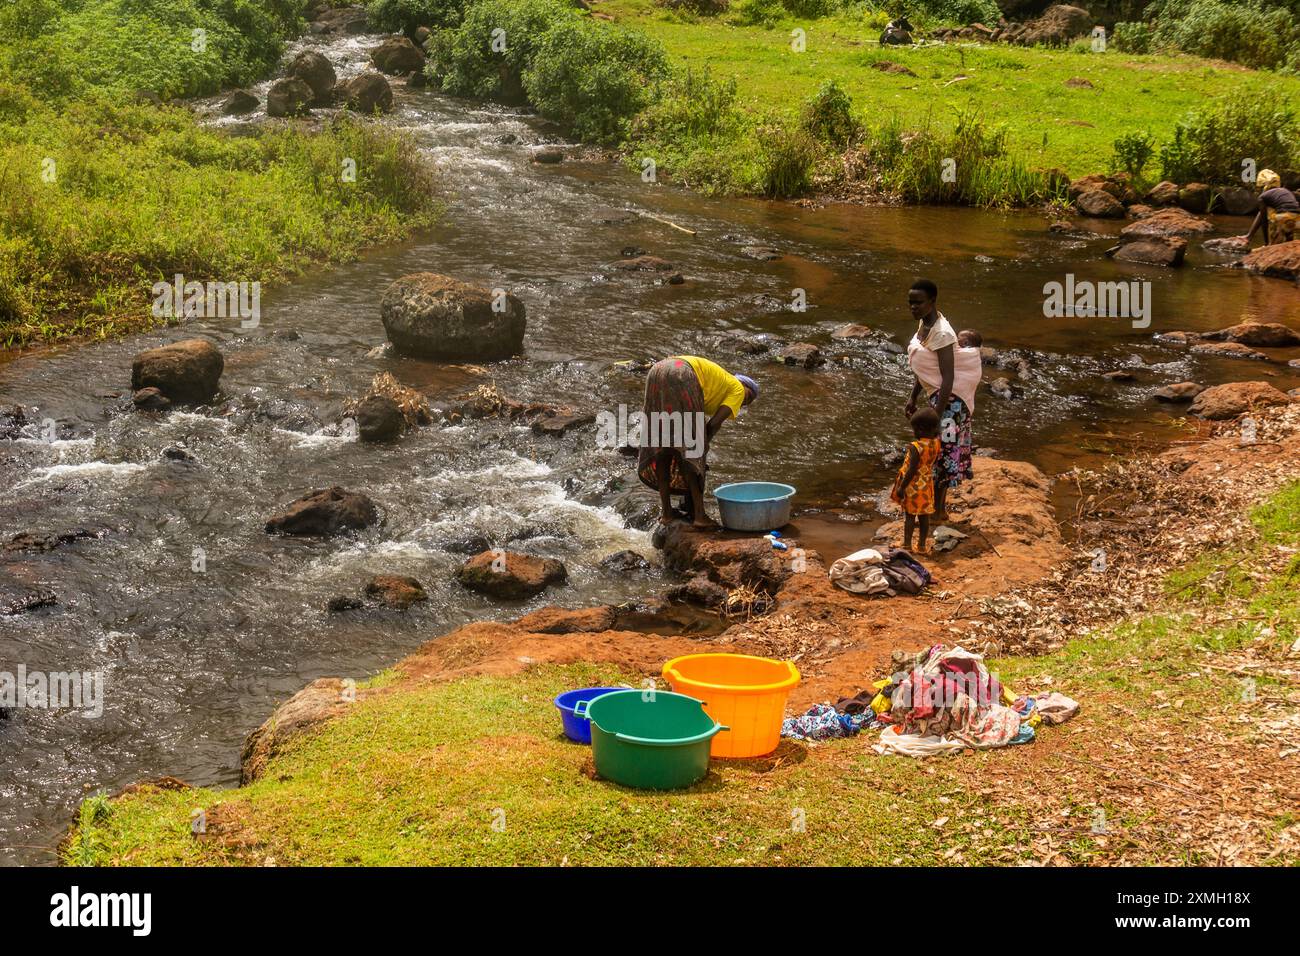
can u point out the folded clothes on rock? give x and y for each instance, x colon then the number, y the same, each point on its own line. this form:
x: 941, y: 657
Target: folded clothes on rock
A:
x: 824, y: 722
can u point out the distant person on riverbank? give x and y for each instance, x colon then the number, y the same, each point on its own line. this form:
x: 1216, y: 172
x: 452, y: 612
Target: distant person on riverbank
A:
x: 1278, y: 208
x: 949, y: 386
x: 914, y: 487
x: 687, y: 399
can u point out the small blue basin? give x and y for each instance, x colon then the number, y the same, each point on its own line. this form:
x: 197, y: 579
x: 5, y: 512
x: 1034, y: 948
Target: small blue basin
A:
x: 754, y: 505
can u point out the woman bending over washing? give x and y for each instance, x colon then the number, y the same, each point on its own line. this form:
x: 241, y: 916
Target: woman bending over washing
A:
x: 687, y: 399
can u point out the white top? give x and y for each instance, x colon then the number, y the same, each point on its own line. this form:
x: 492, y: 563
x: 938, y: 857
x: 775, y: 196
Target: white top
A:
x: 968, y: 365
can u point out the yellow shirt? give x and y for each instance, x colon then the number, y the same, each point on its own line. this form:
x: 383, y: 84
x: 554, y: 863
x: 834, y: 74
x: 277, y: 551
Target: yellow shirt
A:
x: 719, y: 386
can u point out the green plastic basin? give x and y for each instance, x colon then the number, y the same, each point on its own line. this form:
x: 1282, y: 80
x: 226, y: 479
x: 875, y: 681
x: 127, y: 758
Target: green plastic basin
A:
x: 652, y: 740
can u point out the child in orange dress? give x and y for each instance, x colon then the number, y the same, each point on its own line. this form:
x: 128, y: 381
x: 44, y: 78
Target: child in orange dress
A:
x: 913, y: 489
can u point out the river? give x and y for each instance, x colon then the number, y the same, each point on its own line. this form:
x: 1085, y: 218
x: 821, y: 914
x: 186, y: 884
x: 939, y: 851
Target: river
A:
x: 194, y: 660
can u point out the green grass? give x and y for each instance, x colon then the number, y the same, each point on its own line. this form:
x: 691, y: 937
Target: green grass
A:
x: 1047, y: 125
x: 419, y: 775
x: 100, y: 198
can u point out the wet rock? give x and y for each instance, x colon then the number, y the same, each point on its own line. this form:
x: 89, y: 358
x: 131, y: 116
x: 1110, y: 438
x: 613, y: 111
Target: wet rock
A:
x: 802, y: 354
x: 29, y: 542
x: 240, y: 102
x: 306, y: 710
x: 1099, y: 204
x: 285, y: 335
x: 1139, y: 211
x: 508, y: 139
x: 631, y: 252
x: 395, y: 591
x: 1178, y: 392
x: 327, y: 511
x: 1176, y: 338
x: 610, y: 215
x: 1281, y: 260
x: 367, y: 93
x: 853, y: 331
x: 1195, y: 197
x: 12, y: 420
x: 379, y: 418
x: 558, y: 421
x: 186, y: 372
x: 289, y: 97
x: 1264, y: 335
x: 510, y: 576
x: 349, y: 20
x: 427, y: 315
x: 1001, y: 387
x: 1167, y: 222
x: 1062, y: 225
x: 30, y: 602
x: 151, y: 400
x: 397, y: 56
x: 548, y: 155
x: 625, y: 562
x: 558, y: 620
x: 1238, y: 201
x: 1163, y: 193
x: 699, y: 590
x: 761, y: 253
x: 1236, y: 398
x: 1227, y: 245
x: 727, y: 559
x: 1150, y: 250
x: 1229, y: 350
x: 343, y: 603
x: 643, y: 264
x: 887, y: 66
x: 177, y: 453
x: 1119, y: 375
x: 316, y: 71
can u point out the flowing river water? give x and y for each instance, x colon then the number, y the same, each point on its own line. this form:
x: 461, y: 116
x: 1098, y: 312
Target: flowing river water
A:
x: 194, y: 660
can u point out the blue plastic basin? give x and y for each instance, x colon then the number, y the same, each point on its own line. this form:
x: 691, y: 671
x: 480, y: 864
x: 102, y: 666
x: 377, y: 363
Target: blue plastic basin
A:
x: 579, y: 728
x: 754, y: 505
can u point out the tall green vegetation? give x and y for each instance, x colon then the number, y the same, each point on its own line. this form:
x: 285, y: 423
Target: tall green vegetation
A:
x: 100, y: 197
x: 590, y: 77
x: 1211, y: 144
x: 1264, y: 34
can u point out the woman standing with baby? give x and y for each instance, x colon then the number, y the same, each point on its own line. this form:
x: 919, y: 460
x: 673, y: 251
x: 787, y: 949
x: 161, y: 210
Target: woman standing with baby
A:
x: 948, y: 368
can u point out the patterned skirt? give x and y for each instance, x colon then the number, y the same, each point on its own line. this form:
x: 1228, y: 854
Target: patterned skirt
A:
x: 671, y: 386
x: 954, y: 462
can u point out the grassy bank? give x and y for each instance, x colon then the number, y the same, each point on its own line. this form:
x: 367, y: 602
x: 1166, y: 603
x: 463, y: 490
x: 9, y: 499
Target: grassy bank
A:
x: 1019, y: 91
x: 1175, y: 704
x: 100, y: 197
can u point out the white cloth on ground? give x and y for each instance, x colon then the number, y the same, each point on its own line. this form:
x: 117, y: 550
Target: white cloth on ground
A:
x: 861, y: 572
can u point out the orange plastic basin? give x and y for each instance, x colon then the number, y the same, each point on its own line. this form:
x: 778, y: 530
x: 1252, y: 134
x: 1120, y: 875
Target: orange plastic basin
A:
x: 746, y: 694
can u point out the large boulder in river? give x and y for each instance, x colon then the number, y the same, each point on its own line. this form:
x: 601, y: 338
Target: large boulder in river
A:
x: 1227, y: 246
x: 509, y: 575
x: 328, y: 511
x: 349, y: 20
x: 186, y: 372
x: 1238, y: 201
x: 1264, y: 335
x: 1163, y: 193
x: 1195, y: 197
x: 1229, y: 350
x: 1280, y: 259
x: 316, y: 71
x: 240, y: 102
x: 289, y: 97
x: 427, y: 315
x: 1099, y: 204
x: 397, y: 56
x: 1235, y: 398
x: 1150, y: 250
x: 396, y: 591
x: 1168, y: 222
x: 366, y: 93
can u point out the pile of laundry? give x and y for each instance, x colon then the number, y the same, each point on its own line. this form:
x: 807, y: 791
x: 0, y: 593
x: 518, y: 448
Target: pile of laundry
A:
x: 887, y: 572
x: 939, y: 701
